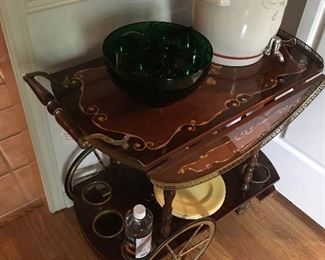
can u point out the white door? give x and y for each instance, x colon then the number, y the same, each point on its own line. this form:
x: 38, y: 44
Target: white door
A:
x: 299, y: 153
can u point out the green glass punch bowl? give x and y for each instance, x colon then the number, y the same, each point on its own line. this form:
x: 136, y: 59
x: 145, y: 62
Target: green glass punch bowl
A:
x: 157, y: 63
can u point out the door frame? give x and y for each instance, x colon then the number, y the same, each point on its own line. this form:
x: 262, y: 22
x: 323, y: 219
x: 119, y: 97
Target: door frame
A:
x: 13, y: 19
x: 310, y: 30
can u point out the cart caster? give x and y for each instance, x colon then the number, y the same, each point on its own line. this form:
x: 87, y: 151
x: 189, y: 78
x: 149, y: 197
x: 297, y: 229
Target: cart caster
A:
x: 243, y: 208
x: 196, y: 236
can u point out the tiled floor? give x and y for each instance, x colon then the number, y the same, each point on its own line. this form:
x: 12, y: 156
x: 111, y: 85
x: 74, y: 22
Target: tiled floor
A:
x: 11, y: 195
x: 15, y: 121
x: 20, y: 181
x: 17, y: 150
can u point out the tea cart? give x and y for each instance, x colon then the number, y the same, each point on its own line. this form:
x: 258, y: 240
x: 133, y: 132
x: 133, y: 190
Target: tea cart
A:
x: 217, y: 130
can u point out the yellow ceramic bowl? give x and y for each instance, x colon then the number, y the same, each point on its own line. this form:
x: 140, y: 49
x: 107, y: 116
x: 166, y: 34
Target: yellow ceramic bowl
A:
x: 198, y: 201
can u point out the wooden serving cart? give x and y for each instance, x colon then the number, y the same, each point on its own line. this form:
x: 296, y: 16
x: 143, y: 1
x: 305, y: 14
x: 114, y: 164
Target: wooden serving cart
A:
x: 217, y: 130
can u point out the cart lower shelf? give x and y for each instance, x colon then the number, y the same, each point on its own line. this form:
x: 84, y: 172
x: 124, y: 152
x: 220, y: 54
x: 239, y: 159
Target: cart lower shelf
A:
x: 130, y: 187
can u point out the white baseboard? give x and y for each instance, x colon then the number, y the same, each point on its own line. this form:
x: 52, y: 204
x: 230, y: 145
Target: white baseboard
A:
x: 302, y: 181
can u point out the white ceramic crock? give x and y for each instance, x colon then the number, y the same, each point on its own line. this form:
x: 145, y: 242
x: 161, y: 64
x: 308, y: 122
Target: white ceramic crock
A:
x: 239, y: 30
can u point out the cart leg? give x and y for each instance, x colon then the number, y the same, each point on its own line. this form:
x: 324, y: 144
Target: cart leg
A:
x: 169, y: 196
x: 243, y: 207
x: 249, y: 171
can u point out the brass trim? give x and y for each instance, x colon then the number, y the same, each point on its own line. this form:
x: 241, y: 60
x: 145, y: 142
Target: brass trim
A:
x: 85, y: 189
x: 122, y: 142
x: 117, y: 155
x: 303, y: 47
x: 83, y: 143
x: 308, y: 97
x: 262, y: 166
x: 93, y: 227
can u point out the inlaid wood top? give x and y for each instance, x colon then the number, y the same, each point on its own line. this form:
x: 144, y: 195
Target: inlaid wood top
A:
x: 148, y: 138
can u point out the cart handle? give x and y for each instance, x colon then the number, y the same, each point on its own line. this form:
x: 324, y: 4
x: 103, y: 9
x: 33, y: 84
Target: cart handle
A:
x: 54, y: 107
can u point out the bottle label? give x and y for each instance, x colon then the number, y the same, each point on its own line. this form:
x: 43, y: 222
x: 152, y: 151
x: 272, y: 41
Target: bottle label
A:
x: 143, y: 246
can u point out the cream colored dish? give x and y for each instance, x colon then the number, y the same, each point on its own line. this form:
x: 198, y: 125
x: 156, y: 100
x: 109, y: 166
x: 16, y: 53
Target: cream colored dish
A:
x: 198, y: 201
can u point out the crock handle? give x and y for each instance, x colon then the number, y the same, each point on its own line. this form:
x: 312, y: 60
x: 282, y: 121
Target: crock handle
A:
x: 39, y: 90
x: 220, y: 2
x: 274, y: 4
x: 54, y: 108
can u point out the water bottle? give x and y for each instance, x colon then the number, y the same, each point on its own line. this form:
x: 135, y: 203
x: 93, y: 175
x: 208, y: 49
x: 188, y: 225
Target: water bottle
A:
x: 138, y: 232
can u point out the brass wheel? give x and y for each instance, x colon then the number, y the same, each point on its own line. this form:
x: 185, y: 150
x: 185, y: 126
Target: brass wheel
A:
x: 189, y: 242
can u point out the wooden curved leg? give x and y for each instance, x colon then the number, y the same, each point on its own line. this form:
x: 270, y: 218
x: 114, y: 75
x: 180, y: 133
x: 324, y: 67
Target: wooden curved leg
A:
x: 249, y: 171
x: 169, y: 196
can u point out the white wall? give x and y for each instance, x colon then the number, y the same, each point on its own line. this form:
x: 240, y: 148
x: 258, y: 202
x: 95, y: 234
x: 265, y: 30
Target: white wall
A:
x: 72, y: 33
x: 292, y: 15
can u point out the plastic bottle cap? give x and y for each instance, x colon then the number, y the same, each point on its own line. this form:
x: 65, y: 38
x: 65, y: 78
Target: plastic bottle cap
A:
x: 139, y: 211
